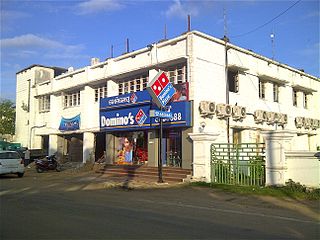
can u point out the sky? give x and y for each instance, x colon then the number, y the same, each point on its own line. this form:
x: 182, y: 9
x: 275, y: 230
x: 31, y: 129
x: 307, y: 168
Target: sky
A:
x: 69, y: 33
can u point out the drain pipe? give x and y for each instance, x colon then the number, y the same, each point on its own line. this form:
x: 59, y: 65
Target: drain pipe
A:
x: 31, y: 129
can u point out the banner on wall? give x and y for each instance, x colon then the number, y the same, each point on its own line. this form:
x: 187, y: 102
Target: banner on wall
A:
x: 69, y: 124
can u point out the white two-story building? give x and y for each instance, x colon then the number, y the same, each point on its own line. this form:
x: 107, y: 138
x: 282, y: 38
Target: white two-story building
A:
x: 85, y: 113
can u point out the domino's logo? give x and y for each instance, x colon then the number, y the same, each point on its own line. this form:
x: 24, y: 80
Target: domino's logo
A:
x: 161, y: 82
x: 141, y: 117
x: 133, y: 98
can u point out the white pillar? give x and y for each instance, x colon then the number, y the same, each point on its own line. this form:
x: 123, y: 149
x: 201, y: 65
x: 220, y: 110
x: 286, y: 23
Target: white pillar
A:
x: 88, y: 146
x: 53, y: 144
x: 277, y: 142
x: 202, y: 155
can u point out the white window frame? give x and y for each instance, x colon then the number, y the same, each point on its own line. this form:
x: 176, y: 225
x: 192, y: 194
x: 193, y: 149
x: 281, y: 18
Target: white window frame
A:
x: 71, y: 99
x: 235, y: 79
x: 276, y: 91
x: 44, y: 103
x: 135, y: 84
x: 262, y: 89
x: 295, y: 97
x: 100, y: 92
x: 177, y: 74
x: 305, y: 100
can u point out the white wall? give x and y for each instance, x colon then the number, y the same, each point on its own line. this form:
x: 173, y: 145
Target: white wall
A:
x: 303, y: 167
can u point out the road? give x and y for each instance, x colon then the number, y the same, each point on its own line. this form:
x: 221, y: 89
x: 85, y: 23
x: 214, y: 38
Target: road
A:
x: 79, y: 206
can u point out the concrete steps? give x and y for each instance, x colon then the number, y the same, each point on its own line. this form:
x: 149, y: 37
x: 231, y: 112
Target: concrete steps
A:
x: 133, y: 172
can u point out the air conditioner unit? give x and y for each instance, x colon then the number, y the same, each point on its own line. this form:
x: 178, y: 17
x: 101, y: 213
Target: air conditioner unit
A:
x: 259, y: 116
x: 299, y: 122
x: 277, y: 117
x: 238, y: 112
x: 314, y: 124
x: 206, y: 108
x: 283, y: 119
x: 223, y: 110
x: 270, y: 118
x: 307, y: 123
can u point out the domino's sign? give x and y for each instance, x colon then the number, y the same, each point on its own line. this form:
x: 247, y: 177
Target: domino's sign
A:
x: 160, y: 89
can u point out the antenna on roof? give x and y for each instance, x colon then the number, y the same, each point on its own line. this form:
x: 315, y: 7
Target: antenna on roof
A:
x: 127, y: 45
x: 189, y: 23
x: 272, y: 44
x: 111, y: 51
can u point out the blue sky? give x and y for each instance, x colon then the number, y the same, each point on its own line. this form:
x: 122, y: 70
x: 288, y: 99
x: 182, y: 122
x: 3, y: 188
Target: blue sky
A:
x: 69, y: 33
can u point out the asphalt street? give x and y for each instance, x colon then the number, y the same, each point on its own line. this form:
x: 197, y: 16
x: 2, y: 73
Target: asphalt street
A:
x: 84, y: 206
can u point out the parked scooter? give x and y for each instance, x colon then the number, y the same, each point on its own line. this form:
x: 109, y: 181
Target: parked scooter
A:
x: 50, y: 163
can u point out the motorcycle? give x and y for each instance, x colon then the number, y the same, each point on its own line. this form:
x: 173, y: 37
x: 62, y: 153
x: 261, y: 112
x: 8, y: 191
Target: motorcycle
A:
x: 50, y: 163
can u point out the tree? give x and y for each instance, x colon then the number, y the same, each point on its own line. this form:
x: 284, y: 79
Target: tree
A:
x: 7, y: 117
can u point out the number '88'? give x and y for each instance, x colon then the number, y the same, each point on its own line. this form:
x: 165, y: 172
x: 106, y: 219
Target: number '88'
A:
x: 176, y: 117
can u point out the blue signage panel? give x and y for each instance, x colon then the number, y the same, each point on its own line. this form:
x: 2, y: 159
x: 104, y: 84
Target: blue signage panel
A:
x: 160, y: 114
x: 125, y: 118
x: 69, y: 124
x: 181, y: 116
x: 138, y: 118
x: 125, y: 100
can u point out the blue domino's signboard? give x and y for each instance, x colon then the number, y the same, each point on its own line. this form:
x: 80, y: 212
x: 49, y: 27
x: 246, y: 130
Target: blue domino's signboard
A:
x: 125, y: 100
x: 135, y: 116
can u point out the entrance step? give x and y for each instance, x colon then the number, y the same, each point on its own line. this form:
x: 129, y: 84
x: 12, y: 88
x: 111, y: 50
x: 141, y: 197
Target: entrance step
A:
x: 135, y: 172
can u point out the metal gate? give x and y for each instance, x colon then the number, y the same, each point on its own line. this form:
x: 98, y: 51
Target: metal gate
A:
x: 238, y: 164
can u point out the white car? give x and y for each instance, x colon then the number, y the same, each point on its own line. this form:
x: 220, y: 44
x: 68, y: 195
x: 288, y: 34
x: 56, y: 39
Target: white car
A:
x: 11, y: 162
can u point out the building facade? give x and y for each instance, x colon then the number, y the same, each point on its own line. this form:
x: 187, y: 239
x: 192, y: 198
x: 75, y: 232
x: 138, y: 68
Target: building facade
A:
x: 103, y: 108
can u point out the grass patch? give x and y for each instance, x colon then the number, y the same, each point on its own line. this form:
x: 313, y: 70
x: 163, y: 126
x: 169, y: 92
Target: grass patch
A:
x: 291, y: 190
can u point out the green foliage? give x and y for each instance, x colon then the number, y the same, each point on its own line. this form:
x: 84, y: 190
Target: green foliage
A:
x: 7, y: 117
x: 291, y: 190
x: 295, y: 186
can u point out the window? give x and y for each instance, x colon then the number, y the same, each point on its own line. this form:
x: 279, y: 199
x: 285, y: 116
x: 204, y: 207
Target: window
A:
x: 135, y: 84
x: 44, y: 103
x: 72, y: 99
x: 262, y: 89
x: 305, y: 100
x: 275, y: 92
x: 233, y: 81
x: 100, y: 92
x: 294, y: 97
x: 177, y: 74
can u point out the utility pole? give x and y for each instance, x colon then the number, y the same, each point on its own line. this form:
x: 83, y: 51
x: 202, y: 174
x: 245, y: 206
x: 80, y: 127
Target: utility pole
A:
x: 225, y: 38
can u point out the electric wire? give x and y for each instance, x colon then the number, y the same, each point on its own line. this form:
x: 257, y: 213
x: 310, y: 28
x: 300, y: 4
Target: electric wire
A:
x: 257, y: 28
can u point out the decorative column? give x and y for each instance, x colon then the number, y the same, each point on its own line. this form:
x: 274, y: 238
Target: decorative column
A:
x: 202, y: 155
x: 88, y: 146
x: 277, y: 142
x: 53, y: 144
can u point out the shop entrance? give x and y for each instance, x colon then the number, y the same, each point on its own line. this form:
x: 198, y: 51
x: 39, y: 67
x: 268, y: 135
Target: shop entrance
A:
x: 172, y: 148
x: 100, y: 146
x: 71, y: 147
x: 131, y: 148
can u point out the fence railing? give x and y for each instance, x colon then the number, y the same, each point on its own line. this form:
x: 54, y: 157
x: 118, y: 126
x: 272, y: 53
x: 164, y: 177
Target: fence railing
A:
x: 238, y: 164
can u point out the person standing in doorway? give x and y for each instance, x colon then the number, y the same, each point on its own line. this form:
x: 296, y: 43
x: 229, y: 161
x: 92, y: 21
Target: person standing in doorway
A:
x: 26, y: 157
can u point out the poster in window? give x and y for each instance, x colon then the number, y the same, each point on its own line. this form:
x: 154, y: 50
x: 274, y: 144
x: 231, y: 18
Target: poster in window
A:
x: 182, y: 92
x: 125, y: 150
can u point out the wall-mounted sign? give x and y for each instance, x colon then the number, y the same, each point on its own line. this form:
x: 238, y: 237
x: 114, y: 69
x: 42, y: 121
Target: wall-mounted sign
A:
x: 69, y: 124
x: 138, y: 117
x: 160, y: 89
x: 160, y: 114
x: 128, y: 99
